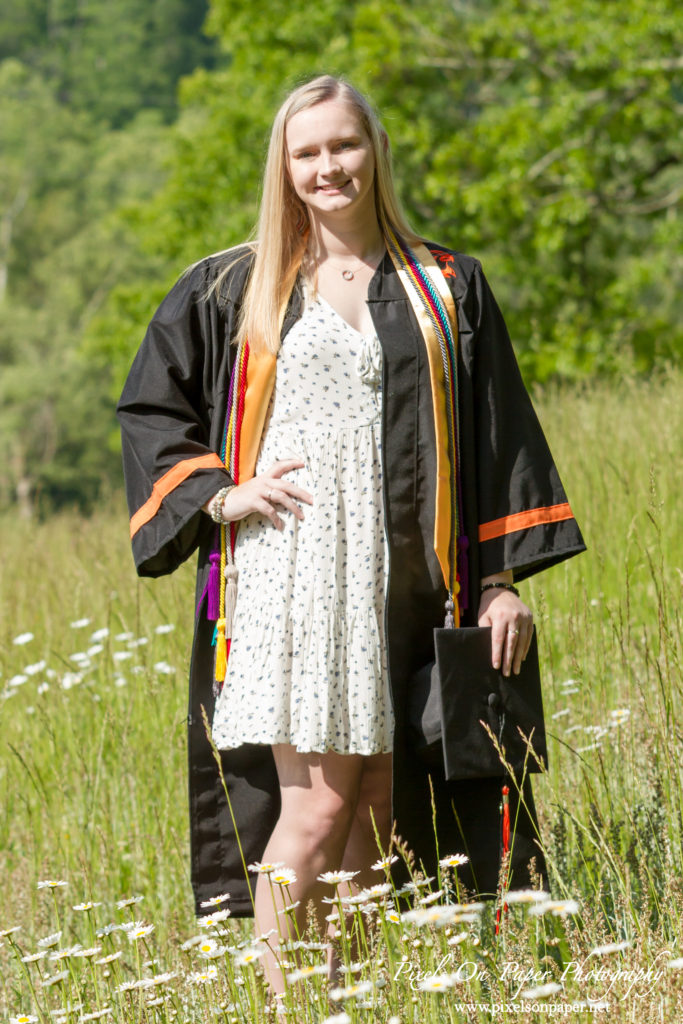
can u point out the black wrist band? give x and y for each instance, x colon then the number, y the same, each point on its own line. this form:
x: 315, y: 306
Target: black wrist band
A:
x: 500, y: 586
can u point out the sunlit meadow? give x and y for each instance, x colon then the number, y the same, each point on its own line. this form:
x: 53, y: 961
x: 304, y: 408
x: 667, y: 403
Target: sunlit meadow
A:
x: 95, y: 908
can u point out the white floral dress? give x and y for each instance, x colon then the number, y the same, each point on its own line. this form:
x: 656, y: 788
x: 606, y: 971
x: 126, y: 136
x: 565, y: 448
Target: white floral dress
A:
x: 307, y: 662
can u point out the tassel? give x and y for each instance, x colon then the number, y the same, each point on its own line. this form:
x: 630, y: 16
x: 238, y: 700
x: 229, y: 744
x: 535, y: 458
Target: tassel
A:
x: 230, y: 572
x: 213, y: 587
x: 506, y: 820
x: 221, y: 651
x: 505, y: 849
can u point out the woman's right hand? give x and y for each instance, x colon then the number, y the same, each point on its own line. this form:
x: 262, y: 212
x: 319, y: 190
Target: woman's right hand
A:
x: 263, y: 492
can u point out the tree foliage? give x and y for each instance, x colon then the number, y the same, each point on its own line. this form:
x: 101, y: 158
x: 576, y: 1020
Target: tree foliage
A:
x: 540, y: 135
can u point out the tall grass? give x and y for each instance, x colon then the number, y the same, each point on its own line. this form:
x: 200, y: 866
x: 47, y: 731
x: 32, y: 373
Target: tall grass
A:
x: 93, y: 772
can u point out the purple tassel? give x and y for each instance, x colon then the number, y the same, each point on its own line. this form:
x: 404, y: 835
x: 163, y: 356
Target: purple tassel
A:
x: 463, y: 572
x: 213, y: 605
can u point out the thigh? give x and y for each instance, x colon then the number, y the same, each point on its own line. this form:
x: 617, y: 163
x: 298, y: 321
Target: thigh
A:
x: 375, y: 783
x: 308, y: 778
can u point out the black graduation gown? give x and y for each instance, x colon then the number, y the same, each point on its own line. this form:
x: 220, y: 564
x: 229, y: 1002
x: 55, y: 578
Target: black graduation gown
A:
x: 516, y: 516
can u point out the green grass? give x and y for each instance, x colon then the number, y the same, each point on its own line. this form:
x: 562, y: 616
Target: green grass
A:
x: 93, y: 769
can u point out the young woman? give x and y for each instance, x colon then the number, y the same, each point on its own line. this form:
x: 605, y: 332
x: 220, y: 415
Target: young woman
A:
x: 334, y: 441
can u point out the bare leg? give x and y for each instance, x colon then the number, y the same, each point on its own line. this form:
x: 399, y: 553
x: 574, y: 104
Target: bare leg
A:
x: 361, y: 849
x: 319, y: 795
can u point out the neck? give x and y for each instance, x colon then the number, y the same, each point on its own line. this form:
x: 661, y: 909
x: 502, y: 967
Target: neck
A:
x: 339, y: 242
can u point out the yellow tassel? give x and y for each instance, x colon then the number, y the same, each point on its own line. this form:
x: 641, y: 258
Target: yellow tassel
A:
x: 230, y: 573
x: 221, y: 651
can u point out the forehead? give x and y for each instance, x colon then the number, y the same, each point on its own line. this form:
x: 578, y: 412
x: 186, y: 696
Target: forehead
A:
x: 331, y: 119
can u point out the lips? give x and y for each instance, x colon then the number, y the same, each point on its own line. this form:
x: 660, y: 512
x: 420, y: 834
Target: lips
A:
x: 332, y: 188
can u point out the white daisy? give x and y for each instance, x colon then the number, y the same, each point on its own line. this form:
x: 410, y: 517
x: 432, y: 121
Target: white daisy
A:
x: 10, y: 931
x: 202, y: 977
x: 23, y: 638
x: 79, y: 623
x: 453, y: 860
x: 437, y: 982
x: 50, y: 883
x: 23, y: 1018
x: 306, y: 972
x: 109, y: 958
x: 526, y: 896
x: 361, y: 988
x: 166, y: 627
x: 337, y: 877
x: 55, y: 979
x: 215, y: 901
x: 248, y: 956
x: 610, y: 947
x: 211, y: 920
x: 86, y: 906
x: 265, y: 868
x: 384, y: 864
x: 99, y: 634
x: 139, y: 933
x: 33, y: 958
x: 540, y: 991
x: 558, y: 908
x: 97, y: 1014
x: 50, y: 940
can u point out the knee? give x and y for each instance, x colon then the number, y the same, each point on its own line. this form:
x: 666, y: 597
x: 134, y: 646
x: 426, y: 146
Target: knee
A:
x: 319, y: 817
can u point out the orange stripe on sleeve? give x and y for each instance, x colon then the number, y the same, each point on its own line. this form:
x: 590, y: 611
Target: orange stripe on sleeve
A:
x: 167, y: 483
x: 523, y: 520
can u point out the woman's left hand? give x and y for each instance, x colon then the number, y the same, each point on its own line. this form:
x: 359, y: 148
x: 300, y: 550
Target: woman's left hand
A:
x: 511, y: 628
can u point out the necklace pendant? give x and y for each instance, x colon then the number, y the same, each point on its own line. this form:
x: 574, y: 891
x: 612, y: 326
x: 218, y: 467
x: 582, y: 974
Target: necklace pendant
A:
x: 347, y: 275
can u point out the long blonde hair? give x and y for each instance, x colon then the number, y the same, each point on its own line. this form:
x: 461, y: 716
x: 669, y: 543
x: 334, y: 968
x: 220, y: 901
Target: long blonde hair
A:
x: 283, y: 224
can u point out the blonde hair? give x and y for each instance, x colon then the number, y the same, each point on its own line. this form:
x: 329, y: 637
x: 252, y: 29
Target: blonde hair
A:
x: 283, y: 224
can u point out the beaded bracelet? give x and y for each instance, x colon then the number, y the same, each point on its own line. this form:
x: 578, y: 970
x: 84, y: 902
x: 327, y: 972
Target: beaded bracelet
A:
x: 216, y: 503
x: 500, y: 586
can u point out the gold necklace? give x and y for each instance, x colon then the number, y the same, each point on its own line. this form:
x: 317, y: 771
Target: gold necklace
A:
x: 349, y: 273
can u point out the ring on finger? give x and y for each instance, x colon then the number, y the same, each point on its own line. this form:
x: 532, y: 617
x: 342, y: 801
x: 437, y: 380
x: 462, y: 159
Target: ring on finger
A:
x: 513, y: 632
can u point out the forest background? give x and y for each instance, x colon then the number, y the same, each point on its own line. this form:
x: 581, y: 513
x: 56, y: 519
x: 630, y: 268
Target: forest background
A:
x: 542, y: 136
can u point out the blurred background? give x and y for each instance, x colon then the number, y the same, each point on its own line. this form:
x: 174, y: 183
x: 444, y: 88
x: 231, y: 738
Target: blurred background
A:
x: 542, y: 136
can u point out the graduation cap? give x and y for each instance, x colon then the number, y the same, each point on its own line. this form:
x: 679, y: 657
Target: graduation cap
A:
x: 454, y: 698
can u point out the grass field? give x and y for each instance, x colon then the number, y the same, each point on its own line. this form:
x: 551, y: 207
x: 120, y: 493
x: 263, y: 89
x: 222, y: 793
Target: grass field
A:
x: 93, y: 778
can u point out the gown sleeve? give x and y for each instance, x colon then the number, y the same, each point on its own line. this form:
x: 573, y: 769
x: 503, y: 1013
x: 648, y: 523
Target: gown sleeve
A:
x: 170, y: 467
x: 525, y: 521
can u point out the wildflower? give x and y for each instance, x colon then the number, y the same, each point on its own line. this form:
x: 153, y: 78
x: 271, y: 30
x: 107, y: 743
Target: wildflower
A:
x: 131, y: 986
x: 215, y: 901
x: 23, y: 638
x: 141, y: 641
x: 337, y: 1018
x: 375, y: 891
x: 10, y: 931
x: 306, y: 972
x: 453, y: 860
x: 130, y: 926
x: 121, y: 655
x: 43, y: 688
x: 55, y: 979
x: 354, y: 968
x: 437, y: 982
x: 437, y: 916
x: 33, y: 958
x: 50, y: 940
x: 63, y: 954
x: 99, y: 634
x: 162, y: 979
x: 337, y: 877
x: 540, y: 991
x: 211, y: 920
x: 526, y: 896
x: 290, y: 908
x: 129, y: 901
x: 361, y: 988
x: 676, y: 964
x: 558, y: 908
x: 609, y: 947
x: 38, y: 666
x: 107, y: 929
x: 24, y: 1018
x: 96, y: 1014
x: 163, y: 668
x: 120, y: 682
x: 618, y: 716
x: 431, y: 898
x: 94, y: 649
x: 139, y: 933
x: 248, y: 956
x: 209, y: 948
x: 194, y: 941
x: 265, y: 869
x: 87, y: 906
x: 51, y: 884
x: 414, y: 886
x: 283, y: 876
x: 79, y: 623
x: 384, y: 864
x: 70, y: 679
x: 456, y: 939
x: 155, y: 1002
x: 202, y: 977
x: 393, y: 916
x: 167, y: 627
x: 93, y: 951
x: 109, y: 958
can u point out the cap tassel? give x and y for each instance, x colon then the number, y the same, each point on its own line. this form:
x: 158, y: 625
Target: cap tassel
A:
x: 221, y: 651
x: 213, y: 602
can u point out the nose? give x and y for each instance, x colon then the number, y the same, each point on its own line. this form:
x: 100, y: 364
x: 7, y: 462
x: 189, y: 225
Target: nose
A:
x: 329, y: 162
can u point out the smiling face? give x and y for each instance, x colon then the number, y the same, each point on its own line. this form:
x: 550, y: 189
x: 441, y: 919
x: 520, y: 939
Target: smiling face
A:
x: 330, y: 160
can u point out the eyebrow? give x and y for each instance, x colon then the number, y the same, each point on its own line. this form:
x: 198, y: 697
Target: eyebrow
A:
x: 332, y: 142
